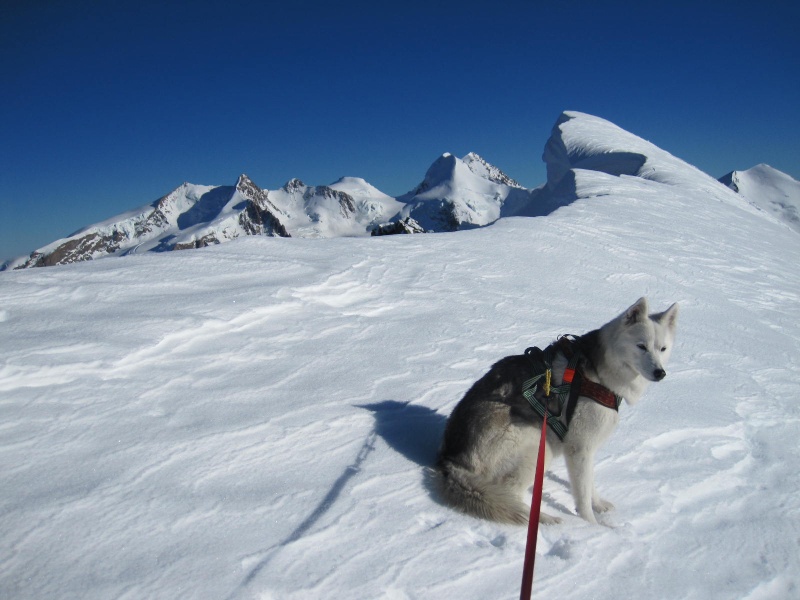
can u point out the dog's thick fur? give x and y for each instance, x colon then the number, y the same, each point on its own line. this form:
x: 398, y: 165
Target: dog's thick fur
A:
x: 488, y: 455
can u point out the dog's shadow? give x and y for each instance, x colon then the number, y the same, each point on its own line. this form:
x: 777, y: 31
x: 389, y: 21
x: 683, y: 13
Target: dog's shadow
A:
x: 416, y: 433
x: 413, y: 431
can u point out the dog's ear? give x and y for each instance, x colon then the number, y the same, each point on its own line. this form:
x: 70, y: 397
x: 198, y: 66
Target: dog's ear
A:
x: 669, y: 317
x: 637, y: 312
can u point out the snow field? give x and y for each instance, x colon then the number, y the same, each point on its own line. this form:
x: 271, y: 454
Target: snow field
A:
x: 254, y: 420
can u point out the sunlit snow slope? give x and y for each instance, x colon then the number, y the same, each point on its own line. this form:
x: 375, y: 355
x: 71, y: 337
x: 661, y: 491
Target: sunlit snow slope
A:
x: 770, y: 190
x: 254, y: 419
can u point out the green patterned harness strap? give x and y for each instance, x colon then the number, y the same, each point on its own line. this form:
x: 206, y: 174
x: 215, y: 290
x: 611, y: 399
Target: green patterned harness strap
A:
x: 539, y: 397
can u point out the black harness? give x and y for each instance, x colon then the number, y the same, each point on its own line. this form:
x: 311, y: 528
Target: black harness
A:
x: 560, y: 401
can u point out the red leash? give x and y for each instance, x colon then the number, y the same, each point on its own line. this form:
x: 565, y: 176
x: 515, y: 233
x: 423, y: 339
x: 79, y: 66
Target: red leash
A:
x: 533, y: 520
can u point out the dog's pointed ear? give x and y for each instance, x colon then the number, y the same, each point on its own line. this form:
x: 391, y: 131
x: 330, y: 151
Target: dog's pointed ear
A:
x: 669, y: 317
x: 637, y: 312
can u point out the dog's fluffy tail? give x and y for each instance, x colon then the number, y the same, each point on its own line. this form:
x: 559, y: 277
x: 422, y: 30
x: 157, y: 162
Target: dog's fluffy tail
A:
x: 472, y: 494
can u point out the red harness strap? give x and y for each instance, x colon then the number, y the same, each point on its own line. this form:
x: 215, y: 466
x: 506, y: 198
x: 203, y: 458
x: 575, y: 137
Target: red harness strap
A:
x: 599, y: 393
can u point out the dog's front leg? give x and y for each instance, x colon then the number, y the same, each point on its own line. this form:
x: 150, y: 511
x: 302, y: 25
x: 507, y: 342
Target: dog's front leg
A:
x: 599, y: 504
x: 580, y: 465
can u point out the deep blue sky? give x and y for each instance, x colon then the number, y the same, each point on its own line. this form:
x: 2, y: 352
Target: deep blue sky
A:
x: 109, y: 105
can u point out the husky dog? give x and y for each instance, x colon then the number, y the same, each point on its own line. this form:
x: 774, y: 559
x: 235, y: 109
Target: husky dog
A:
x: 488, y: 456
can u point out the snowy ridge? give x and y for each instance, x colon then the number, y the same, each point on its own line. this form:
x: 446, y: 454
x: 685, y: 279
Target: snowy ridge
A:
x: 581, y: 143
x: 456, y: 193
x: 469, y: 192
x: 256, y: 421
x: 327, y: 211
x: 768, y: 189
x: 483, y: 169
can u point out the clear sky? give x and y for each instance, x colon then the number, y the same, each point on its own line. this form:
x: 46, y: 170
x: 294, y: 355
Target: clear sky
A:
x: 109, y: 105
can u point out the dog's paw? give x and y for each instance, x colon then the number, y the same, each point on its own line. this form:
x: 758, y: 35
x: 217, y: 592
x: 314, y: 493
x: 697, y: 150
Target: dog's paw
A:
x: 545, y: 519
x: 600, y: 506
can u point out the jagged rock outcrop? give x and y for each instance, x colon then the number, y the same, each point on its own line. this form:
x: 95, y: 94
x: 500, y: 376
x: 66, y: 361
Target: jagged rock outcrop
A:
x: 259, y: 215
x: 481, y: 168
x: 406, y: 225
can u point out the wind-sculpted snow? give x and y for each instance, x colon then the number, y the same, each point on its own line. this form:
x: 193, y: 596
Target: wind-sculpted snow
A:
x: 599, y: 146
x: 581, y: 142
x: 256, y: 420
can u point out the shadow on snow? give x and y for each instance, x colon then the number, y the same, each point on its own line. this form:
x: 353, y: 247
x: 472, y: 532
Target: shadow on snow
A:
x: 413, y: 431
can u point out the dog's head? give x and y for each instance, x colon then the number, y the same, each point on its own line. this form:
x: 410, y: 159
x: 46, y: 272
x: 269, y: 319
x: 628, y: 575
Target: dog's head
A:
x: 645, y: 340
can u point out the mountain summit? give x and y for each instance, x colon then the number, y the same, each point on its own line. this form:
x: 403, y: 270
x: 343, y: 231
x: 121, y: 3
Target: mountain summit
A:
x: 461, y: 193
x: 768, y: 189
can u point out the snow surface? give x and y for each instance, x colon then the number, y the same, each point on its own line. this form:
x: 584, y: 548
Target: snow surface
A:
x: 254, y: 419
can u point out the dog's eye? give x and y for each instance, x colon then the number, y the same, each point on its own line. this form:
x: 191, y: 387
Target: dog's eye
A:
x: 663, y: 348
x: 642, y: 347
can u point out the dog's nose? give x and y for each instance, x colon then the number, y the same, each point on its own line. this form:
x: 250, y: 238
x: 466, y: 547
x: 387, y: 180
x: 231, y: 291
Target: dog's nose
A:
x: 659, y: 374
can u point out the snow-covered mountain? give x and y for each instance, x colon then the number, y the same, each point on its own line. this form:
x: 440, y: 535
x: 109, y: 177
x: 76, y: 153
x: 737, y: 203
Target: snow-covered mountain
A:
x: 256, y: 421
x: 191, y: 216
x: 455, y: 194
x: 768, y: 189
x: 462, y: 193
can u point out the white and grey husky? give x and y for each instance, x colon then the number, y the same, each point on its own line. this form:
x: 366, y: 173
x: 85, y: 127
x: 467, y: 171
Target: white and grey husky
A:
x: 488, y: 455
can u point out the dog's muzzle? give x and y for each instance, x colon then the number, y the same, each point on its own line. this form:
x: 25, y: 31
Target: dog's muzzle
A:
x: 659, y: 374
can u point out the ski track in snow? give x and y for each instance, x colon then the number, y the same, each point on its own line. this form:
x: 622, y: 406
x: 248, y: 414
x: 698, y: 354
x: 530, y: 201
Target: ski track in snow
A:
x: 255, y: 420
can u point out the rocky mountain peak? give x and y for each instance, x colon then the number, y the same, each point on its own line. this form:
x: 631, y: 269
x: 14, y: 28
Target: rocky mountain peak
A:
x: 480, y: 167
x: 294, y: 185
